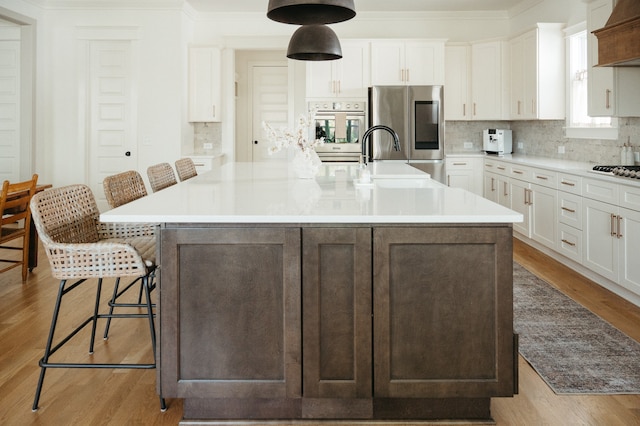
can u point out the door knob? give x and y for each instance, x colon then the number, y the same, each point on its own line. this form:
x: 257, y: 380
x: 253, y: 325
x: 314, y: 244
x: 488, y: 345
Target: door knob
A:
x: 255, y: 142
x: 128, y: 153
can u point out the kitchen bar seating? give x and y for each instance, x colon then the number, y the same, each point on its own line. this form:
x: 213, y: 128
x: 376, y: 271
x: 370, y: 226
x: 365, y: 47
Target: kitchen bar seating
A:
x: 161, y: 176
x: 15, y: 221
x: 120, y: 189
x: 186, y: 169
x: 80, y: 248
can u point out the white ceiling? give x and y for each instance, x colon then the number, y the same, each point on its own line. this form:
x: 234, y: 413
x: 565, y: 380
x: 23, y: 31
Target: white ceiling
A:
x: 367, y: 5
x: 261, y: 5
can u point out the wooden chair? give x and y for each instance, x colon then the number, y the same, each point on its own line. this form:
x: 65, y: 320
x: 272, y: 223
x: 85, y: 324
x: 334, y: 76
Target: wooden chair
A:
x: 161, y: 176
x: 186, y: 169
x: 16, y: 220
x: 80, y: 249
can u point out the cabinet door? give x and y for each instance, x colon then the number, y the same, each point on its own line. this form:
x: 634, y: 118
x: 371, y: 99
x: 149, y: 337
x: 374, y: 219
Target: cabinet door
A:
x: 233, y: 313
x: 491, y: 186
x: 530, y: 75
x: 353, y: 70
x: 600, y: 244
x: 387, y: 63
x: 457, y: 92
x: 600, y: 81
x: 465, y: 173
x: 424, y: 63
x: 504, y: 191
x: 441, y: 330
x: 487, y: 80
x: 544, y: 217
x: 517, y: 61
x: 321, y: 81
x: 336, y: 297
x: 629, y: 249
x: 520, y: 202
x: 204, y: 84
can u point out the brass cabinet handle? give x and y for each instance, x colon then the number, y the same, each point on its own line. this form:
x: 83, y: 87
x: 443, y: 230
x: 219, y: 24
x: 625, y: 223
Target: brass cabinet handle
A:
x: 568, y: 183
x: 518, y: 172
x: 613, y: 225
x: 493, y: 181
x: 506, y: 192
x: 459, y: 164
x: 568, y: 242
x: 502, y: 168
x: 568, y: 210
x: 619, y: 227
x: 464, y: 110
x: 608, y: 100
x: 542, y: 177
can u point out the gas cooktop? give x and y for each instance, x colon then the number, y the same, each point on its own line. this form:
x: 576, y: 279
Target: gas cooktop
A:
x: 623, y: 171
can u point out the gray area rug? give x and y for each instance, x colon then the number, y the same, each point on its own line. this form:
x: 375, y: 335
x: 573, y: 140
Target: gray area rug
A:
x: 572, y: 349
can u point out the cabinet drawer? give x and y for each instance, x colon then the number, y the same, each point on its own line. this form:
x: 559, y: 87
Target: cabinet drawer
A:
x: 630, y: 197
x: 570, y: 183
x: 521, y: 172
x: 570, y: 242
x: 496, y: 166
x: 600, y: 191
x: 545, y: 178
x: 570, y: 209
x: 459, y: 164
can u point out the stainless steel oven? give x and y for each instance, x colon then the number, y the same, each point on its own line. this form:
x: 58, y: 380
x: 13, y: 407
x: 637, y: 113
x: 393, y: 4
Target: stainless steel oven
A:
x: 341, y: 123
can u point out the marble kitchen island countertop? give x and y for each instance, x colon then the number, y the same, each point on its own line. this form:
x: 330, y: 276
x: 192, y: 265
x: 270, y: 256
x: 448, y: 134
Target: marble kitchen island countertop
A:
x: 270, y: 193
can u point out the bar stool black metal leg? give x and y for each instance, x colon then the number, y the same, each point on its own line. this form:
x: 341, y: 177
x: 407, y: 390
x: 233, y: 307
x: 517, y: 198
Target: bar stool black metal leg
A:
x: 96, y: 310
x: 47, y: 349
x: 111, y: 306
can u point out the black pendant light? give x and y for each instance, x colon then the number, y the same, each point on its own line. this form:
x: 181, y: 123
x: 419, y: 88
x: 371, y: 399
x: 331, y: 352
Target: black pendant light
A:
x: 314, y: 43
x: 306, y: 12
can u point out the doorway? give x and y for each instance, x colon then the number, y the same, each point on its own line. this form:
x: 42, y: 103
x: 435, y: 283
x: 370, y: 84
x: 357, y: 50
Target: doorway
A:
x: 269, y: 104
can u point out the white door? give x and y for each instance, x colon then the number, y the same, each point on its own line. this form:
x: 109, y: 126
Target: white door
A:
x: 9, y: 110
x: 270, y: 104
x: 111, y: 127
x: 600, y: 245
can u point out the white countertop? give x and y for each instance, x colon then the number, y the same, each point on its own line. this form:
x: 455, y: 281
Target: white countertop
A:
x: 270, y: 193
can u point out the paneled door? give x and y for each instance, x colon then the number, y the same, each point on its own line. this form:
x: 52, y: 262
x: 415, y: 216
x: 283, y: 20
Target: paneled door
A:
x: 9, y: 110
x: 111, y: 113
x: 270, y: 104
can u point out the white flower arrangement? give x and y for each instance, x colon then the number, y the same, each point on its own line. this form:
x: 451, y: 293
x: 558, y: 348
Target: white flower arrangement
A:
x: 284, y: 138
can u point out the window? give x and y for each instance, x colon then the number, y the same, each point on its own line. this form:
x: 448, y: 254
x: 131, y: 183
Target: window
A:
x: 579, y: 124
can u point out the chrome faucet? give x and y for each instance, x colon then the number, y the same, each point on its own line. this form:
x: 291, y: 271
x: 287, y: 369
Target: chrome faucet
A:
x: 365, y: 148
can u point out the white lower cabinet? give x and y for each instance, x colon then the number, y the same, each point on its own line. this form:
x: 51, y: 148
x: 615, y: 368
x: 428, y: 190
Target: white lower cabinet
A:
x: 629, y: 250
x: 601, y: 246
x: 465, y: 173
x: 593, y: 222
x: 544, y: 220
x: 520, y: 202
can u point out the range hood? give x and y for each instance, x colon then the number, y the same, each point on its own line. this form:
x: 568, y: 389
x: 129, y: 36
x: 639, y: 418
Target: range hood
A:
x: 619, y: 39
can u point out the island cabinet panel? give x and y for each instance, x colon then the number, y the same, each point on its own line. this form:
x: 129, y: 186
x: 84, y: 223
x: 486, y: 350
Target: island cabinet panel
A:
x: 443, y: 312
x: 336, y: 296
x: 231, y: 300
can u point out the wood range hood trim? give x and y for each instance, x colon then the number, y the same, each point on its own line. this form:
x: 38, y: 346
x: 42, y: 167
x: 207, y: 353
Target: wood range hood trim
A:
x: 619, y: 39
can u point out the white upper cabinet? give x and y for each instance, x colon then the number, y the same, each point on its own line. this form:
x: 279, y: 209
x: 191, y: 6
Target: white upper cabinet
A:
x: 538, y: 74
x: 489, y: 80
x: 407, y: 62
x: 457, y: 93
x: 348, y: 77
x: 613, y: 91
x: 204, y: 84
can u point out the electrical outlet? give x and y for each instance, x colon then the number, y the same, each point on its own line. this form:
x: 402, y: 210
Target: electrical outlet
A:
x: 468, y: 145
x: 520, y: 145
x: 207, y: 145
x: 561, y: 149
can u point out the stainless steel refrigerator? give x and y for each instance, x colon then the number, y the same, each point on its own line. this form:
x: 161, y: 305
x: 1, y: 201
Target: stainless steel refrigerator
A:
x: 416, y: 113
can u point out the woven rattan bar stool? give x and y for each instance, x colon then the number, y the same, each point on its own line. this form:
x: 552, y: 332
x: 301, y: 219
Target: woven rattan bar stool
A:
x: 120, y: 189
x: 161, y: 176
x: 80, y: 249
x: 186, y: 169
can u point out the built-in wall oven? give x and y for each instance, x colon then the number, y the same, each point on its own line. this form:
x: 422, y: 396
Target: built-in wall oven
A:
x: 341, y: 123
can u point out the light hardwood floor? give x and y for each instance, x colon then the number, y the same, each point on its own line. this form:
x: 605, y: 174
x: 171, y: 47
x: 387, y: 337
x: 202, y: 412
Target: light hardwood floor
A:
x: 127, y: 397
